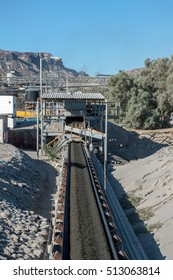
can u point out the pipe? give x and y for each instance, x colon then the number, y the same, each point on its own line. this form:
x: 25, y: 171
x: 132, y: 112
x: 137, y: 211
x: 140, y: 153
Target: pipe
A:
x: 37, y: 145
x: 105, y: 144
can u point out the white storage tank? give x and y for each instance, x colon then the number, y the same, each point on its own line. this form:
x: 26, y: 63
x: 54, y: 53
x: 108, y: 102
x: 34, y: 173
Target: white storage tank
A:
x: 8, y: 103
x: 31, y: 95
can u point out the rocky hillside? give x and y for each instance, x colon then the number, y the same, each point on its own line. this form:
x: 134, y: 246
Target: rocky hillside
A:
x: 28, y: 64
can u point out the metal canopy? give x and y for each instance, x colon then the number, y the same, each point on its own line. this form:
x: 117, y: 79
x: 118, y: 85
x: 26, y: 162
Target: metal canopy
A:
x: 74, y: 96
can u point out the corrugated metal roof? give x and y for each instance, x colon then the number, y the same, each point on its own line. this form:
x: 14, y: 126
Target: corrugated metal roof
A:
x: 75, y: 95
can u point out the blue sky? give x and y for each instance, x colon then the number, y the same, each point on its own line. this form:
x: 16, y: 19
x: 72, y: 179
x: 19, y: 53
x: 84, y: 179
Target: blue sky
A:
x: 91, y: 35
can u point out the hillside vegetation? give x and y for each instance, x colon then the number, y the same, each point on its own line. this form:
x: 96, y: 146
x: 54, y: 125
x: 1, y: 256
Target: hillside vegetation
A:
x: 146, y: 98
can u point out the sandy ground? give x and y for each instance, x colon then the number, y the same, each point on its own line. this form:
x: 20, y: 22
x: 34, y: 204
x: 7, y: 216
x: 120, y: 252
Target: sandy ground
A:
x: 144, y: 187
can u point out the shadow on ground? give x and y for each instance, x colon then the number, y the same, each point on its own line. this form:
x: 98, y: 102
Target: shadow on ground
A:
x: 42, y: 202
x: 145, y: 237
x: 128, y: 145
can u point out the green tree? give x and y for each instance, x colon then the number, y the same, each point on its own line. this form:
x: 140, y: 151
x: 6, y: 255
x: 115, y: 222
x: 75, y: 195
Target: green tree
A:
x: 146, y: 99
x: 120, y: 86
x: 141, y: 111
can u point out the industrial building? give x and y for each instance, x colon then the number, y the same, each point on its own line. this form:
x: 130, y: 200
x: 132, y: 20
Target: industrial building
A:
x: 65, y: 115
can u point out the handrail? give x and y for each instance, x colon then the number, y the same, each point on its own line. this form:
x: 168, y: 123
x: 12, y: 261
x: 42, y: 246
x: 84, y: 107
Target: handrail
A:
x: 102, y: 214
x: 57, y: 137
x: 130, y: 240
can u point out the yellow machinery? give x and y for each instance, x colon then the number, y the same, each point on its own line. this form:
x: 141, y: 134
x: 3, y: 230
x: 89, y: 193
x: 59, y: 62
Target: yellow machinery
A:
x: 26, y: 114
x: 29, y: 114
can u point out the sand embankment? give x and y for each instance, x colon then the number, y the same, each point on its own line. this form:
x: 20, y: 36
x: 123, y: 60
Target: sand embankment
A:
x: 144, y: 186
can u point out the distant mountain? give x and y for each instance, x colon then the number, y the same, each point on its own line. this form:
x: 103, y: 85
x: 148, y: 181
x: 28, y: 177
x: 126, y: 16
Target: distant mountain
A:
x: 28, y: 64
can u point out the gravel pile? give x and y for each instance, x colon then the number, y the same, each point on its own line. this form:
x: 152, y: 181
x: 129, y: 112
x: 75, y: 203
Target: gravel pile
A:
x: 23, y: 229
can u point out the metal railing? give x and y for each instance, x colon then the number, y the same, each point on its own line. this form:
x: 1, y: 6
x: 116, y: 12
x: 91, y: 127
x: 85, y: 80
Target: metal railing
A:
x: 130, y: 240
